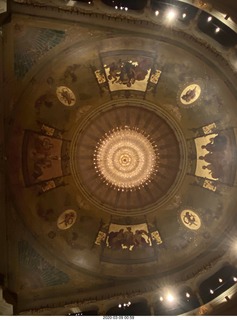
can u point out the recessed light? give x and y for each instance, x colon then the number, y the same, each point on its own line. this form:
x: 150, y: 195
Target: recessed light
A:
x: 171, y: 14
x: 170, y: 298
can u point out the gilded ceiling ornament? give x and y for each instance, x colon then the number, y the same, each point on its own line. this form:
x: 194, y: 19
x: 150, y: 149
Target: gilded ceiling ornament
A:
x: 66, y: 96
x: 66, y: 219
x: 190, y: 219
x: 126, y: 158
x: 155, y: 236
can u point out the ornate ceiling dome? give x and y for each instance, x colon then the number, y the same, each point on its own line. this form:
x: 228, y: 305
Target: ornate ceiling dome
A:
x: 121, y: 154
x: 127, y: 158
x: 129, y: 151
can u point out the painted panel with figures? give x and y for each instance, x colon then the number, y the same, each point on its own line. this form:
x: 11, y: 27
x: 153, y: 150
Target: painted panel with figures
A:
x: 128, y: 237
x: 124, y: 70
x: 41, y: 158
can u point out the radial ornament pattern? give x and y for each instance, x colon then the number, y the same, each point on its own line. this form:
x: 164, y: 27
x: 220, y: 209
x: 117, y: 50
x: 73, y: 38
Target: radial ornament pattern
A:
x: 126, y: 158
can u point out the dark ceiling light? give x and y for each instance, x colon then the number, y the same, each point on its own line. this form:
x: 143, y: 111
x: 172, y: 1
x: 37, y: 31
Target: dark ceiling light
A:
x: 217, y: 30
x: 185, y: 12
x: 185, y: 300
x: 213, y: 287
x: 161, y: 5
x: 92, y: 312
x: 128, y: 308
x: 130, y: 4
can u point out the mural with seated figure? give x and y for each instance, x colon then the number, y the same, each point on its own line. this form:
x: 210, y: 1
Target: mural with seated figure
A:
x: 214, y: 157
x: 124, y: 74
x: 126, y: 70
x: 41, y: 158
x: 128, y: 237
x: 131, y: 242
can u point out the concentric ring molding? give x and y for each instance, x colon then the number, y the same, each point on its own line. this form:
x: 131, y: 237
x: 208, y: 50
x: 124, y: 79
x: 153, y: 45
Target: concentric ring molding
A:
x: 91, y: 116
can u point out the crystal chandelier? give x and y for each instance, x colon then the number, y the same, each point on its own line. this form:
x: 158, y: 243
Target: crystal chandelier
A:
x: 126, y: 158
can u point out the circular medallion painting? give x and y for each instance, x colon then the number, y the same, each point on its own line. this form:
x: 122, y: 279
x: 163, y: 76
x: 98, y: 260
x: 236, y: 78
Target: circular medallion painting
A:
x: 66, y: 219
x: 66, y: 96
x: 190, y: 94
x: 190, y: 219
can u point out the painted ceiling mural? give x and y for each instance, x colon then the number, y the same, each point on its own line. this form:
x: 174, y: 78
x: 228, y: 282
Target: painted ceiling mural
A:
x: 123, y: 71
x: 119, y: 158
x: 215, y: 156
x: 50, y: 155
x: 190, y: 93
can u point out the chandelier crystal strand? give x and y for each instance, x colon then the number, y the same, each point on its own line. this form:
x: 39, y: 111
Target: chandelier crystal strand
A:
x: 126, y: 158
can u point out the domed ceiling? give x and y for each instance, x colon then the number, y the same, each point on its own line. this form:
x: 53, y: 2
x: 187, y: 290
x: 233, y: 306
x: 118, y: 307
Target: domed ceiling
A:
x: 125, y: 154
x: 122, y: 149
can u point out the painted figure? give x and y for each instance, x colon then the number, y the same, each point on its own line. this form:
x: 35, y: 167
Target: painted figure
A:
x: 189, y: 219
x: 189, y: 95
x: 216, y: 144
x: 128, y: 72
x: 68, y: 219
x: 126, y: 239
